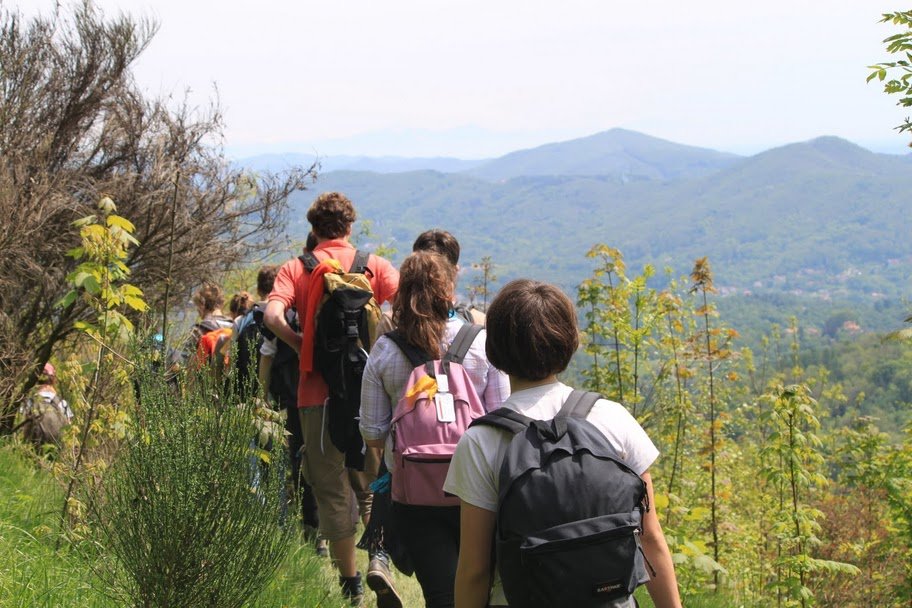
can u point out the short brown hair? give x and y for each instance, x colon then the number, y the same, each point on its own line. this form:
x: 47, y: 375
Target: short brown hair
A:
x: 532, y: 330
x: 266, y: 279
x: 438, y: 241
x: 331, y: 215
x: 209, y: 297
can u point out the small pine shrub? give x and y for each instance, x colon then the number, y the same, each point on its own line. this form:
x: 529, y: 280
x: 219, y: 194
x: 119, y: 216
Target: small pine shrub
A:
x: 188, y: 514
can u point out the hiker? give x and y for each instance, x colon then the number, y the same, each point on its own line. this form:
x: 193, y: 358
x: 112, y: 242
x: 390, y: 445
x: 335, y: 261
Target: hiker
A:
x: 208, y: 300
x: 45, y: 412
x: 532, y: 335
x: 278, y: 380
x: 240, y: 304
x: 444, y: 243
x: 427, y: 324
x: 324, y: 463
x: 246, y: 335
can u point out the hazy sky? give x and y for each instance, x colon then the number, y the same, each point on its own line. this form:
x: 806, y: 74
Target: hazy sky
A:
x: 473, y: 78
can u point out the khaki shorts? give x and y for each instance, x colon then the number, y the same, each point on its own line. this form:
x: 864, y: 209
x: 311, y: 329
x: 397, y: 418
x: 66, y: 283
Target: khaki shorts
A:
x: 341, y: 493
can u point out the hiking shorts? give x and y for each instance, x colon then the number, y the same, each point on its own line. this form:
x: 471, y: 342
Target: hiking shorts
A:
x: 341, y: 493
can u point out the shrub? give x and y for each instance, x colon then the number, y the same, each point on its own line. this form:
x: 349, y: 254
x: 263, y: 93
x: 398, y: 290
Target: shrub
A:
x: 177, y: 514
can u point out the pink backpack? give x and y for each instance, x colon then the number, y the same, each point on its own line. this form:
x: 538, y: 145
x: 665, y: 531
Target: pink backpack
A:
x: 438, y: 405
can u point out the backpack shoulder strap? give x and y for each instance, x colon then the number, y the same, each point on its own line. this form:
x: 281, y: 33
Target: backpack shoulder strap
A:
x: 506, y: 419
x: 415, y: 355
x: 463, y: 312
x: 359, y: 265
x: 578, y: 404
x: 57, y: 402
x: 461, y: 343
x: 207, y: 325
x: 309, y: 260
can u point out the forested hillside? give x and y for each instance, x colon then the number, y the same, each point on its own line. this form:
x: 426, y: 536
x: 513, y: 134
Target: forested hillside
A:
x: 815, y: 230
x: 825, y: 218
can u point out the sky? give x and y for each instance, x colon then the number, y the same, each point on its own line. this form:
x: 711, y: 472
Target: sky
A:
x: 479, y: 78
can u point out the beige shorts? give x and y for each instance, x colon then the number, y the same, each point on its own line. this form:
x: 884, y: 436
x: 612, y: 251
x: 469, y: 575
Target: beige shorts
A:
x: 341, y: 493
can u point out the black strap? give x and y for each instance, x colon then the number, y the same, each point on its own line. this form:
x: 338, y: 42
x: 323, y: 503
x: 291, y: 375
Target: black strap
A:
x: 578, y: 404
x: 309, y: 260
x: 461, y: 343
x: 359, y: 265
x: 416, y: 356
x: 506, y: 419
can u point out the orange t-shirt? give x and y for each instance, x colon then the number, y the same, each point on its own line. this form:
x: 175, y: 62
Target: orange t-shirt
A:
x: 291, y: 287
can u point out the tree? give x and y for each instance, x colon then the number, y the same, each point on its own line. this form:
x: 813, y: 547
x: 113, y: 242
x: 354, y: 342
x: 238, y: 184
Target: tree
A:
x: 74, y: 127
x: 900, y: 70
x: 481, y: 286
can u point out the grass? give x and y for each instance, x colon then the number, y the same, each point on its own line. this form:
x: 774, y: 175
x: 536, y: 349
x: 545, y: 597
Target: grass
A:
x: 33, y: 575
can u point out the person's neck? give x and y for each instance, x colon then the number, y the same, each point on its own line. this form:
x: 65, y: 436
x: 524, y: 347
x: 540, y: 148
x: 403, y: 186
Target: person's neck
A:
x: 217, y: 312
x: 520, y: 384
x: 321, y: 240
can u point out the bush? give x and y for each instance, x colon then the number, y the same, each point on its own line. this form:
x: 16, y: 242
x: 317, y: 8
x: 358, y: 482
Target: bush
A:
x: 177, y: 514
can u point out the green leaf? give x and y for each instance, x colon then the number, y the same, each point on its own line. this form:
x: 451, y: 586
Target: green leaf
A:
x: 91, y: 285
x: 85, y: 221
x: 67, y: 300
x: 84, y: 326
x: 76, y: 253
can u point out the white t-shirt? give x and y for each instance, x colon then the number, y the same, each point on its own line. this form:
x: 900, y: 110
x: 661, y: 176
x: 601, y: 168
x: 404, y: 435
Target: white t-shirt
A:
x: 474, y: 471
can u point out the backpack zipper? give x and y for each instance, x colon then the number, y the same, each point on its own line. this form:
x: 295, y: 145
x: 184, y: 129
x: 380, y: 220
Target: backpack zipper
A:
x: 556, y: 545
x: 427, y: 460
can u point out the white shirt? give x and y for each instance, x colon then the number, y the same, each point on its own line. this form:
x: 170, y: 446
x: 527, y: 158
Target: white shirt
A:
x: 388, y: 370
x: 474, y: 471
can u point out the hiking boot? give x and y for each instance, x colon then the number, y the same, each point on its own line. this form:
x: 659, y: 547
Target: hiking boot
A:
x: 380, y: 580
x: 352, y: 589
x: 322, y: 548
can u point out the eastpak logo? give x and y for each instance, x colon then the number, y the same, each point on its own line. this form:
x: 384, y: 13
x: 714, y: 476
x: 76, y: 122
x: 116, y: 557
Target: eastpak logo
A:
x: 606, y: 588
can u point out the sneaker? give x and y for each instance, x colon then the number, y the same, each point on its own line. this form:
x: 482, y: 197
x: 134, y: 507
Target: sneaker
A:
x: 322, y: 547
x: 352, y: 589
x: 380, y: 580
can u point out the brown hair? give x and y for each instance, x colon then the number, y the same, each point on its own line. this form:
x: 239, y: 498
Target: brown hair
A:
x: 331, y: 215
x: 424, y: 299
x: 266, y: 279
x: 438, y: 241
x: 311, y: 243
x: 532, y: 331
x: 240, y: 304
x: 209, y: 297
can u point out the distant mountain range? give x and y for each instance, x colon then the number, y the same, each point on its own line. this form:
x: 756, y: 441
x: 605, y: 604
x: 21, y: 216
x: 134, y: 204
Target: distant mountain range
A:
x: 823, y: 219
x: 382, y: 164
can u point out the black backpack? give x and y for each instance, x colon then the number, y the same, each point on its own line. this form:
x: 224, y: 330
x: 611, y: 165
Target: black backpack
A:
x: 247, y: 355
x: 569, y: 512
x: 285, y: 371
x: 346, y: 325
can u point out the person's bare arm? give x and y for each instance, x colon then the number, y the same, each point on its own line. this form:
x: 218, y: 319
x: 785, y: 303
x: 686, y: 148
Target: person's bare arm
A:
x: 274, y: 317
x: 473, y: 570
x: 264, y: 374
x: 663, y: 587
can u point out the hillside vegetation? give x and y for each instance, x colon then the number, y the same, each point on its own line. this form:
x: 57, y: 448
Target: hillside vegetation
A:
x: 824, y: 219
